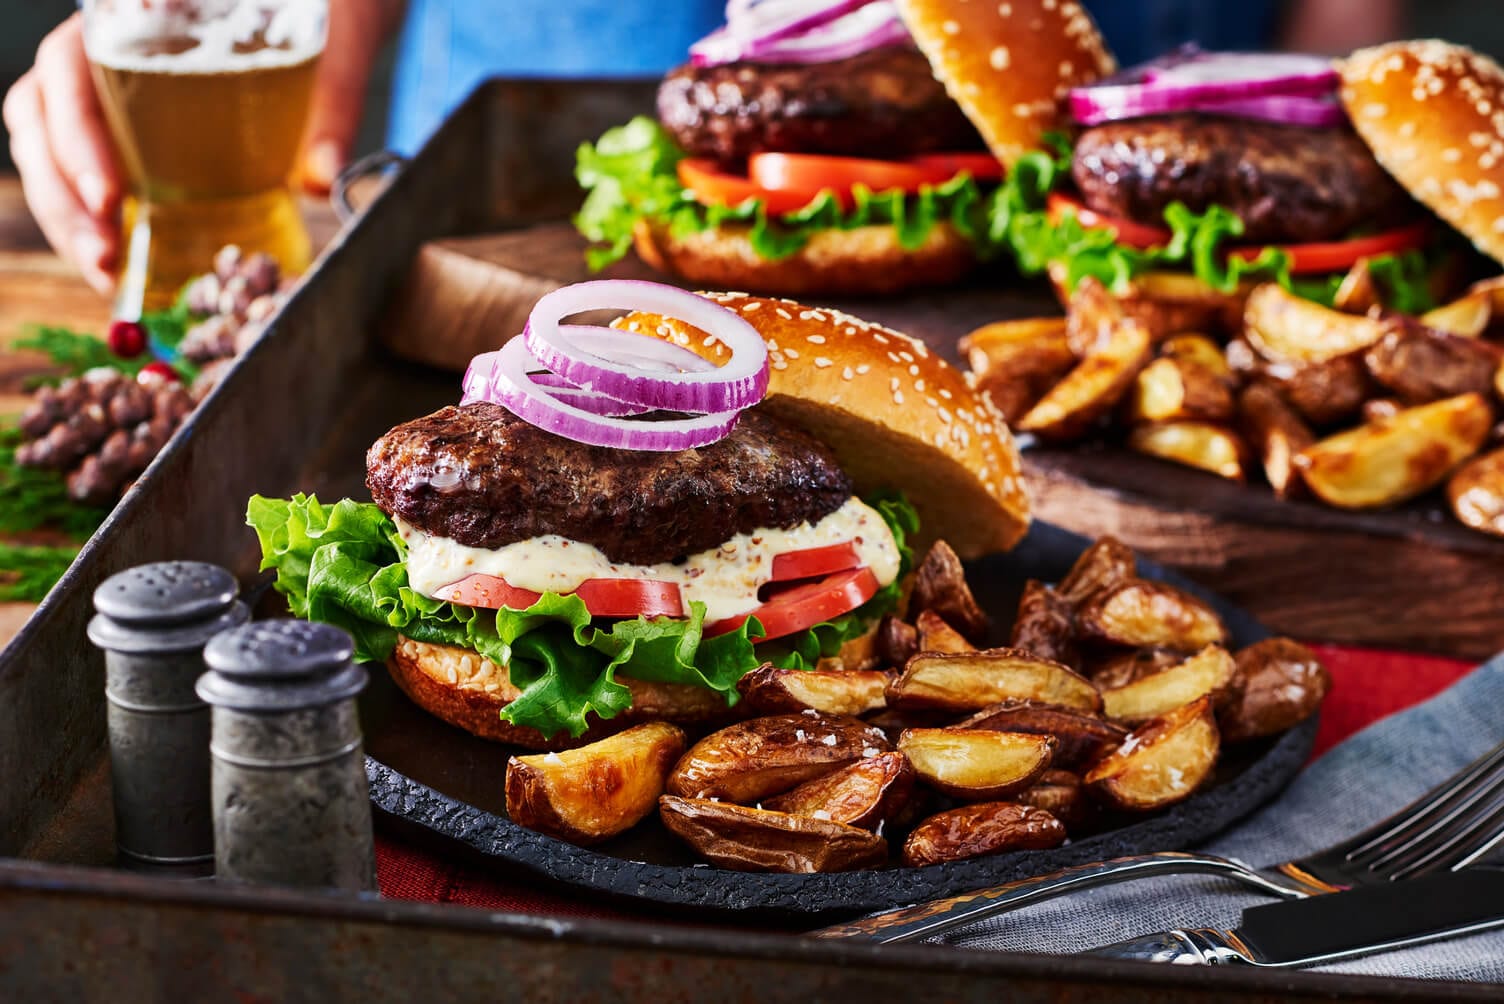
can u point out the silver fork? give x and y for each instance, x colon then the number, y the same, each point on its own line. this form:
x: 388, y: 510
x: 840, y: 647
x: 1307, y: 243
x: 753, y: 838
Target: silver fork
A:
x: 1448, y: 828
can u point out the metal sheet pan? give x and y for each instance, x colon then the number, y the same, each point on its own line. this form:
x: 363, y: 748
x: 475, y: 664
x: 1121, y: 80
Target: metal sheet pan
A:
x: 297, y: 407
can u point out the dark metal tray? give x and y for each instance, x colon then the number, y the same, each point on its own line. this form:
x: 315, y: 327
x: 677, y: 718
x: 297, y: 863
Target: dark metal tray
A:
x: 296, y: 409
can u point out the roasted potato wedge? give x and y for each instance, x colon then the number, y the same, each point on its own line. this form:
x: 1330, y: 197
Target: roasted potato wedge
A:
x: 1467, y: 317
x: 1327, y: 392
x: 940, y: 585
x: 1172, y: 390
x: 1276, y: 434
x: 1388, y: 462
x: 1104, y: 565
x: 977, y: 764
x: 1046, y: 625
x: 1381, y: 409
x: 1143, y: 614
x: 1282, y: 683
x: 1215, y: 449
x: 1080, y: 738
x: 1285, y: 328
x: 593, y: 792
x: 936, y: 634
x: 1016, y: 362
x: 1062, y: 795
x: 1125, y: 667
x: 1161, y: 762
x: 985, y: 828
x: 896, y: 641
x: 769, y: 690
x: 1476, y: 493
x: 1420, y: 364
x: 1198, y: 350
x: 969, y: 681
x: 1169, y: 303
x: 758, y: 840
x: 752, y: 760
x: 1358, y: 293
x: 866, y: 793
x: 1092, y: 315
x: 1209, y: 673
x: 1069, y: 409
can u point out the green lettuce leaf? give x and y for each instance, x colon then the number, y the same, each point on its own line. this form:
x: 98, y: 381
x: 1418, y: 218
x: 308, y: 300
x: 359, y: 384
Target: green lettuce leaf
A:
x: 343, y: 564
x: 631, y: 175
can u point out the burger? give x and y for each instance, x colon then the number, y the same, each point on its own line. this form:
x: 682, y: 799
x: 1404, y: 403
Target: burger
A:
x: 837, y: 147
x: 1194, y: 177
x: 529, y: 584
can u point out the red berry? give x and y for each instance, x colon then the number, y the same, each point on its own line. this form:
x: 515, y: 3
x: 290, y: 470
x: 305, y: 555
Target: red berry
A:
x: 162, y: 370
x: 127, y: 339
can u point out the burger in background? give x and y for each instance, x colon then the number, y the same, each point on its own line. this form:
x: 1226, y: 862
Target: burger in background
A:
x: 837, y: 147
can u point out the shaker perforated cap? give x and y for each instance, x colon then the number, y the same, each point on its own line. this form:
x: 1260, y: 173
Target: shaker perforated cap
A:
x: 279, y: 665
x: 166, y: 592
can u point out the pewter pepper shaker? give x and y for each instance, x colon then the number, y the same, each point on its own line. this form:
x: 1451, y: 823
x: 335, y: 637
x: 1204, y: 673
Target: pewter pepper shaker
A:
x: 291, y: 802
x: 153, y: 623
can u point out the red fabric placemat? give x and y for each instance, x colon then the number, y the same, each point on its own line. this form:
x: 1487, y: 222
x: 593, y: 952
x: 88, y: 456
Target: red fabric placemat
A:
x: 1367, y: 685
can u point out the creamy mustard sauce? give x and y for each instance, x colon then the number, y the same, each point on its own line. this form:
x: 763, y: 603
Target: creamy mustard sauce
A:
x: 726, y: 579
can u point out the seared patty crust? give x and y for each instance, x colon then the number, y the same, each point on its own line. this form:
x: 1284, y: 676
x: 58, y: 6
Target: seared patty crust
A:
x: 885, y: 104
x: 1289, y: 184
x: 481, y: 476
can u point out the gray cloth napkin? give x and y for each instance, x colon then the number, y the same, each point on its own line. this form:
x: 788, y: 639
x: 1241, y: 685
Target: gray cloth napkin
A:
x: 1366, y: 778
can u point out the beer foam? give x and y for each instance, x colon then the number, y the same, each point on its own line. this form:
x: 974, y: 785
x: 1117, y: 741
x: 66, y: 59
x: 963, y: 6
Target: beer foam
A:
x: 120, y: 33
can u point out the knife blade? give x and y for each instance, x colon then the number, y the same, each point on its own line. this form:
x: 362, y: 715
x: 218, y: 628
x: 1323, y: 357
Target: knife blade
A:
x: 1360, y: 921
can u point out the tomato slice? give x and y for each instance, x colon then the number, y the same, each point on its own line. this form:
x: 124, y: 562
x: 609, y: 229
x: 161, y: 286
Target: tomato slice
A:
x: 603, y: 597
x: 1127, y: 232
x: 798, y: 608
x: 715, y: 187
x: 981, y: 166
x: 815, y: 561
x: 809, y: 172
x: 1339, y: 256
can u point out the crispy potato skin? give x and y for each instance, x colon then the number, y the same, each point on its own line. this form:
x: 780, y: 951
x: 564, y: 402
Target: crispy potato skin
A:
x: 1276, y: 433
x: 1283, y: 684
x: 1171, y: 390
x: 758, y: 840
x: 1046, y: 625
x: 940, y: 585
x: 1061, y: 794
x: 1212, y: 673
x: 1389, y: 462
x: 1358, y: 293
x: 896, y: 641
x: 970, y: 681
x: 1017, y: 361
x: 936, y: 635
x: 1202, y: 445
x: 751, y: 760
x: 1094, y: 387
x: 1468, y: 316
x: 977, y: 764
x: 1324, y: 393
x: 985, y: 828
x: 1287, y: 329
x: 1420, y: 364
x: 1198, y: 350
x: 1123, y: 668
x: 1104, y: 565
x: 1476, y: 493
x: 771, y: 690
x: 866, y: 793
x: 1161, y: 762
x: 592, y: 793
x: 1144, y: 614
x: 1080, y: 738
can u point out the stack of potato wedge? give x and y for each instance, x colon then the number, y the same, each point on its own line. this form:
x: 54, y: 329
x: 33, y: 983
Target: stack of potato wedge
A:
x: 1358, y: 407
x: 1114, y: 697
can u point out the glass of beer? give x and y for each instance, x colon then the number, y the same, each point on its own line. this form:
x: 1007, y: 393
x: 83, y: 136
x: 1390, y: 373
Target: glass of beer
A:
x: 207, y: 101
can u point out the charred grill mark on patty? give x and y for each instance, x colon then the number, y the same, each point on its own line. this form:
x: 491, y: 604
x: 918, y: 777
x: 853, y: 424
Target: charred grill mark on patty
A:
x: 1288, y: 184
x: 481, y: 476
x: 885, y: 103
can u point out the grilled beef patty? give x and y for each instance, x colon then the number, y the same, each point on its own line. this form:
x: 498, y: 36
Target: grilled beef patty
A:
x: 1288, y: 184
x: 885, y: 103
x: 481, y: 476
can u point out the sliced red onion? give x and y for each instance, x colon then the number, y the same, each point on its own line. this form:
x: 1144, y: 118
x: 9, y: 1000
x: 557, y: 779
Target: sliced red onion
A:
x: 1287, y: 109
x: 838, y: 29
x: 1196, y: 81
x: 740, y: 383
x: 477, y: 382
x: 643, y: 351
x: 514, y: 389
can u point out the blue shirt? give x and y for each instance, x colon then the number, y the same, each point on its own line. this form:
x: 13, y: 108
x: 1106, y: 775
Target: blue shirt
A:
x: 450, y: 46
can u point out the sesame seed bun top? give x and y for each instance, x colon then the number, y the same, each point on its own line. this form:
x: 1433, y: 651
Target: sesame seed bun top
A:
x: 897, y: 416
x: 1433, y: 113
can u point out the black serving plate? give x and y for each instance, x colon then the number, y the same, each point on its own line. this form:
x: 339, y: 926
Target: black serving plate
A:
x: 446, y: 784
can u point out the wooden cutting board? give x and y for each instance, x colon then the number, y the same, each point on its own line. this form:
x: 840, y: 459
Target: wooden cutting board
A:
x: 1411, y: 578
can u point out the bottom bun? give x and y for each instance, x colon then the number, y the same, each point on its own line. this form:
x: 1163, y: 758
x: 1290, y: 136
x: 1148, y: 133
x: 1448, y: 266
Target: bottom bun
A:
x: 469, y: 691
x: 864, y: 261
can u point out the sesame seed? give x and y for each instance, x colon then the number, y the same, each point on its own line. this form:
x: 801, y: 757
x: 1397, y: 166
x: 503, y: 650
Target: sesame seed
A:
x: 821, y: 362
x: 898, y: 397
x: 951, y: 28
x: 791, y: 353
x: 999, y: 58
x: 749, y: 307
x: 919, y: 385
x: 863, y: 368
x: 846, y: 373
x: 914, y: 371
x: 945, y: 394
x: 876, y: 337
x: 815, y: 339
x: 784, y: 314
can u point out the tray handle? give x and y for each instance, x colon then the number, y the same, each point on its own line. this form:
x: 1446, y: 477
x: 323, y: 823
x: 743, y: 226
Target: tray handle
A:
x: 382, y: 162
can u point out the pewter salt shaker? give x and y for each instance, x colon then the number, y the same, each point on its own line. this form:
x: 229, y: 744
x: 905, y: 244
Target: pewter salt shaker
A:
x: 153, y: 622
x: 291, y: 801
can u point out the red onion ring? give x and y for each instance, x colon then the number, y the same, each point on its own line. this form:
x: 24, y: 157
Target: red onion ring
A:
x: 514, y: 389
x: 740, y: 383
x: 837, y: 30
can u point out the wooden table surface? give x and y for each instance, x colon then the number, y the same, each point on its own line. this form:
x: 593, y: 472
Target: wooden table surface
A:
x: 36, y: 286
